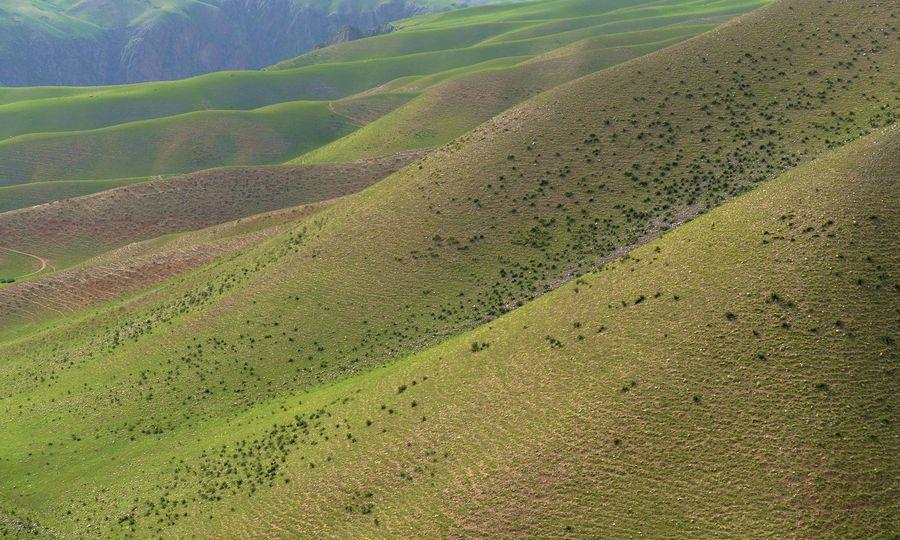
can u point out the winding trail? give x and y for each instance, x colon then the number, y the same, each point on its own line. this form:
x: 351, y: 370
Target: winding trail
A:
x: 44, y: 262
x: 354, y: 121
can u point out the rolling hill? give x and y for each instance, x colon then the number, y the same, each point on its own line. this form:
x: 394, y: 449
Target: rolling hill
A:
x: 667, y: 378
x: 492, y: 341
x: 186, y: 143
x: 494, y: 57
x: 57, y: 42
x: 68, y: 232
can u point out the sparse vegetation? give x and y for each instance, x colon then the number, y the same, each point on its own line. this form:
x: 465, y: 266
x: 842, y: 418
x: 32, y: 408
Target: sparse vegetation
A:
x: 495, y: 346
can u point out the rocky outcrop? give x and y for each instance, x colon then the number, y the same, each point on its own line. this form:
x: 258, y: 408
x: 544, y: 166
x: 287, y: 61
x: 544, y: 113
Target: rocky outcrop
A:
x: 203, y: 37
x: 351, y: 33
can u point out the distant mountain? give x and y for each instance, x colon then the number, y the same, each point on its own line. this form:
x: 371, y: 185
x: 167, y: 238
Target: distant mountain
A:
x: 352, y: 33
x: 88, y: 42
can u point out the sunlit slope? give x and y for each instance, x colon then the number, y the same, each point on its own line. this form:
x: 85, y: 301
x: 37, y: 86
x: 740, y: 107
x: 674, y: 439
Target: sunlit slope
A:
x: 185, y: 143
x: 526, y: 25
x: 40, y: 110
x: 732, y: 379
x: 446, y: 110
x: 546, y: 190
x: 739, y: 367
x: 537, y: 197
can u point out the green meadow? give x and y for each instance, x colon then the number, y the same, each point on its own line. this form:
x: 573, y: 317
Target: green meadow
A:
x: 418, y: 84
x: 634, y: 276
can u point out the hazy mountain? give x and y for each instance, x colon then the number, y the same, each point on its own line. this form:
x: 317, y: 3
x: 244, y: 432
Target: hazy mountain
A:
x: 68, y: 42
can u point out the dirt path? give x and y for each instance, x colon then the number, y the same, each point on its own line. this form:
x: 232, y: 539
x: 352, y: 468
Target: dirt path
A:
x: 354, y: 121
x: 44, y: 262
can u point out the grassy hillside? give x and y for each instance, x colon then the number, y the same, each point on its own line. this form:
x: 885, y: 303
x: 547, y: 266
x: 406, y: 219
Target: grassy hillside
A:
x: 135, y: 267
x: 71, y: 231
x: 91, y: 108
x: 653, y: 397
x: 667, y: 378
x: 184, y: 143
x: 470, y: 70
x: 477, y: 63
x: 447, y: 109
x: 546, y: 190
x: 13, y: 197
x: 274, y: 390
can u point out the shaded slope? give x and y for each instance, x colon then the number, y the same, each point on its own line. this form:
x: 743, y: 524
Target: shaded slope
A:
x: 70, y: 231
x: 137, y: 266
x: 16, y: 196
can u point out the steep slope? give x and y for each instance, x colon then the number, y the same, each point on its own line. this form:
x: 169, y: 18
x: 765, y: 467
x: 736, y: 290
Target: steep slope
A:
x: 64, y: 42
x: 239, y: 354
x: 459, y: 71
x: 545, y: 191
x: 185, y: 143
x: 448, y: 109
x: 136, y: 267
x: 739, y: 367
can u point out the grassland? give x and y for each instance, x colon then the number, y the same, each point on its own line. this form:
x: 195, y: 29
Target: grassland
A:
x: 72, y: 231
x: 96, y: 107
x: 365, y: 371
x: 667, y: 378
x: 14, y: 197
x: 447, y: 108
x: 650, y: 398
x: 184, y: 143
x: 278, y: 115
x: 14, y: 264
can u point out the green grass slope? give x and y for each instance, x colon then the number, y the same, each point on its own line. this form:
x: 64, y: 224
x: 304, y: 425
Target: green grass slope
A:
x: 13, y: 197
x: 184, y: 143
x: 741, y: 366
x: 259, y: 352
x: 527, y: 26
x: 68, y: 232
x: 447, y: 109
x: 92, y: 108
x: 14, y: 264
x: 546, y: 190
x: 488, y: 80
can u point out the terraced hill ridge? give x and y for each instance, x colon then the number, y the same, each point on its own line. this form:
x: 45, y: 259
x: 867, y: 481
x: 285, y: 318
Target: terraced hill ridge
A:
x: 101, y: 246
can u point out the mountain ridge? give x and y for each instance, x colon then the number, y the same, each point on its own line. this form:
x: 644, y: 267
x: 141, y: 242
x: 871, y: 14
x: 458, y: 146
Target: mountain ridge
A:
x: 89, y: 43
